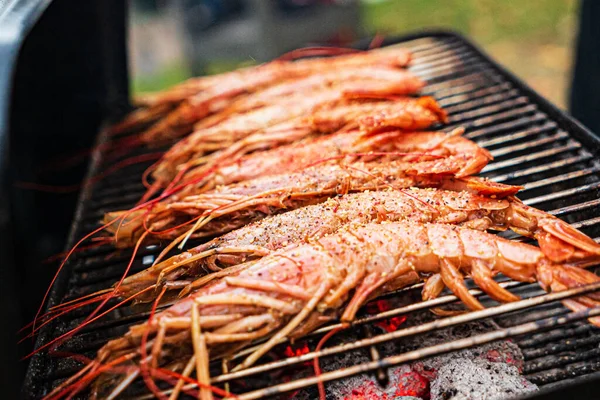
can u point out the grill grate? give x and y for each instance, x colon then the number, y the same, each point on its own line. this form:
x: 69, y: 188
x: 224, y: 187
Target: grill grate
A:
x: 534, y: 145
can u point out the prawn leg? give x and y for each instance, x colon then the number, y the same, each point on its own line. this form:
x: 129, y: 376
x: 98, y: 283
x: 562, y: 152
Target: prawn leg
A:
x: 285, y: 331
x: 434, y: 285
x: 454, y: 280
x: 201, y: 353
x: 558, y: 240
x: 370, y: 284
x: 257, y: 251
x: 482, y: 276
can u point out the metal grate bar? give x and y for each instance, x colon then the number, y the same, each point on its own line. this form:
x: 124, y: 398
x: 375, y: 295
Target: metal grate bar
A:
x: 422, y: 47
x: 563, y: 193
x: 502, y: 140
x: 457, y: 99
x: 570, y: 146
x: 586, y: 223
x: 447, y: 68
x: 505, y: 115
x: 561, y: 178
x: 544, y: 167
x: 415, y: 330
x: 424, y: 353
x: 447, y: 52
x: 458, y: 86
x: 529, y: 145
x: 576, y: 207
x: 483, y: 98
x: 493, y: 110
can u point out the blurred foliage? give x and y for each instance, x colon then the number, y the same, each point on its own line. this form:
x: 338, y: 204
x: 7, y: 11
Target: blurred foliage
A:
x: 484, y: 20
x: 534, y: 39
x: 177, y: 72
x: 166, y: 77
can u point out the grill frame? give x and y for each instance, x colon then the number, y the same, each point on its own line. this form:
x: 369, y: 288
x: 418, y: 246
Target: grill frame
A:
x: 563, y: 122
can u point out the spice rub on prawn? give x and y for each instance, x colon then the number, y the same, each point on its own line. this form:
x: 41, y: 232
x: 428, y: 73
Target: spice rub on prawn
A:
x: 181, y: 273
x: 292, y: 157
x: 292, y: 292
x: 229, y: 165
x: 239, y: 126
x: 559, y: 241
x: 421, y: 160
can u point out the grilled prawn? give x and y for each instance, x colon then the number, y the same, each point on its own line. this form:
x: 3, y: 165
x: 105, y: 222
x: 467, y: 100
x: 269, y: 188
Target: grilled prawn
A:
x: 291, y: 292
x: 292, y: 157
x: 217, y: 99
x: 307, y: 85
x: 228, y: 165
x: 239, y: 126
x: 220, y: 88
x: 388, y: 57
x: 429, y: 158
x: 559, y: 242
x: 258, y: 239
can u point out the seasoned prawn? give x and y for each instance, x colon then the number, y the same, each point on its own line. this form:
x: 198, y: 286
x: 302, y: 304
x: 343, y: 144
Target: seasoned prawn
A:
x: 240, y: 126
x: 218, y: 98
x: 228, y: 85
x: 292, y: 157
x: 391, y: 57
x: 258, y: 239
x: 312, y: 222
x: 368, y: 118
x: 429, y: 158
x: 314, y: 82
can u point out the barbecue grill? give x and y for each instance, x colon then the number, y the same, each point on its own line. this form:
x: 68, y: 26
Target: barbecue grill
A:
x: 534, y: 144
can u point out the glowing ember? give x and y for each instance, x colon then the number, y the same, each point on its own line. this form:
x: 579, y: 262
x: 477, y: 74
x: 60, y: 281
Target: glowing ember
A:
x: 412, y: 384
x: 404, y: 383
x: 489, y: 370
x: 495, y: 355
x: 390, y: 324
x: 378, y: 306
x: 291, y: 352
x: 368, y: 391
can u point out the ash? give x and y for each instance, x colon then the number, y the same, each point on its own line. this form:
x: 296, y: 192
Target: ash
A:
x: 465, y: 379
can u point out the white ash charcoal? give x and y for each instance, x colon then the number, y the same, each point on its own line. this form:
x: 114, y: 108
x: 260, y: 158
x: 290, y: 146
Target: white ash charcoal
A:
x: 418, y: 378
x: 361, y: 387
x: 504, y: 352
x: 477, y: 379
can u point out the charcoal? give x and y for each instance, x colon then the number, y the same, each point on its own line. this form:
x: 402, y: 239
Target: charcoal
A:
x: 498, y: 352
x: 462, y: 378
x: 502, y: 363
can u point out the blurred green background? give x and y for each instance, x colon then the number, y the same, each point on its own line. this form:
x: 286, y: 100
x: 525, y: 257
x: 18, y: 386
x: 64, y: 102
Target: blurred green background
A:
x: 534, y: 39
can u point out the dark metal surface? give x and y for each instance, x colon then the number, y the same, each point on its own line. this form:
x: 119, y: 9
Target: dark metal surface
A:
x: 534, y: 145
x: 69, y: 76
x: 16, y: 20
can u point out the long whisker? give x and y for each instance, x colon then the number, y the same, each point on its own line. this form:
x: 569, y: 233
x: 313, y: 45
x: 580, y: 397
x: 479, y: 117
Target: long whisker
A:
x: 144, y: 351
x: 87, y: 322
x: 316, y: 366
